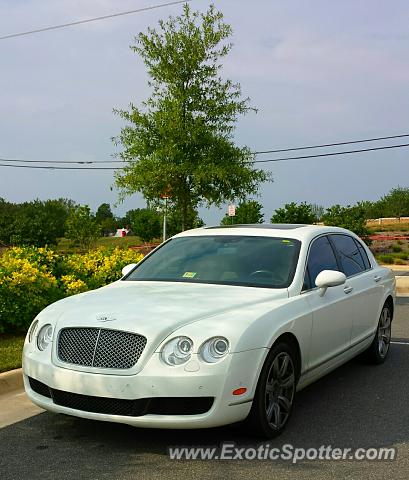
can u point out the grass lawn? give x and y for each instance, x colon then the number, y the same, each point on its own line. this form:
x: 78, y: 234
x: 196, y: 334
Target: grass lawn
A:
x: 390, y: 228
x: 11, y: 348
x: 64, y: 245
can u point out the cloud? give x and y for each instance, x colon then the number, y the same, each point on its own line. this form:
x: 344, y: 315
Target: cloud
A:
x: 318, y: 72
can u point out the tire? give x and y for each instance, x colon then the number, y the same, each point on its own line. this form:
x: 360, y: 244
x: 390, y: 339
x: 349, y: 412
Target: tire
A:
x: 275, y: 393
x: 379, y: 348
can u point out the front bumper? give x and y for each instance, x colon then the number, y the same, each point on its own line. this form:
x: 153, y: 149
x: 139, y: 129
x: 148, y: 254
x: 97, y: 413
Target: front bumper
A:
x: 156, y: 380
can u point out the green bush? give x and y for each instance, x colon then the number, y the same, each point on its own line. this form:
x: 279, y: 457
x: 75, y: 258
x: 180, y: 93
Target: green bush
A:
x: 294, y: 213
x: 388, y: 259
x: 396, y: 248
x: 351, y: 218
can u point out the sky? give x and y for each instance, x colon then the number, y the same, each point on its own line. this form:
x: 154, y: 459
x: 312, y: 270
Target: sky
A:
x: 317, y: 71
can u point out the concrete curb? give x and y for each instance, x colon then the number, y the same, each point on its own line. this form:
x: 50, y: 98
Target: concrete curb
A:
x: 12, y: 380
x: 402, y: 281
x: 402, y: 285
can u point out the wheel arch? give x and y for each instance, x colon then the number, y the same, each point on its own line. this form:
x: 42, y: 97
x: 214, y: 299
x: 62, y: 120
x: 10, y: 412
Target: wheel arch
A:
x: 291, y: 340
x: 389, y: 301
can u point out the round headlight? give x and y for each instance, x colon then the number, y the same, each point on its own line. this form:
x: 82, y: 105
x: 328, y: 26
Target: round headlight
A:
x: 214, y: 349
x: 44, y: 337
x: 32, y: 330
x: 177, y: 351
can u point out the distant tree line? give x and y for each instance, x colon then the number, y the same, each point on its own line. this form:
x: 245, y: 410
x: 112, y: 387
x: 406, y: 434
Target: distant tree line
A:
x: 39, y: 223
x: 352, y: 217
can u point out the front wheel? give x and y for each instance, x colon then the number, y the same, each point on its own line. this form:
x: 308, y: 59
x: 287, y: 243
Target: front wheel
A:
x: 379, y: 349
x: 274, y: 397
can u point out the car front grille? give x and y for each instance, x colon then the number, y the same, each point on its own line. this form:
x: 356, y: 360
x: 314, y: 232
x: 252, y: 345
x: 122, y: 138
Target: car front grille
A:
x: 99, y: 347
x: 124, y: 407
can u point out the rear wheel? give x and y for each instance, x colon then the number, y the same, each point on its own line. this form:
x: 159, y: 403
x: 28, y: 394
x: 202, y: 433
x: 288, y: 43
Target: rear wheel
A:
x: 274, y: 397
x: 379, y: 349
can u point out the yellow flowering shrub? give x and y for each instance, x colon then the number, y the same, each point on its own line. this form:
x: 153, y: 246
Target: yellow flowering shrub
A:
x: 32, y: 278
x: 98, y: 267
x: 73, y: 285
x: 26, y: 287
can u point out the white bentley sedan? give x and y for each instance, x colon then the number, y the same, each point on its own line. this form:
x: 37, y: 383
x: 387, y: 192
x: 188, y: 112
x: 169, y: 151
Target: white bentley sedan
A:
x: 217, y: 325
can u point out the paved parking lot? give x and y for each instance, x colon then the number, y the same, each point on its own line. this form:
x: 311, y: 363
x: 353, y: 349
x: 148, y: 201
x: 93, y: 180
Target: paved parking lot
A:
x: 355, y: 406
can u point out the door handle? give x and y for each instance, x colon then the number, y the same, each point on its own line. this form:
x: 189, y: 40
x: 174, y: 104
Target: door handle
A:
x: 376, y: 278
x: 348, y: 289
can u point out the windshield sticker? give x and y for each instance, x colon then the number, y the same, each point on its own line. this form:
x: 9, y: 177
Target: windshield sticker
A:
x: 189, y: 275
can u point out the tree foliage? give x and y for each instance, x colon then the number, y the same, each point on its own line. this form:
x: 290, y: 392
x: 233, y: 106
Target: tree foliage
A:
x: 145, y: 223
x: 351, y: 218
x: 247, y: 212
x: 81, y: 227
x: 36, y: 223
x: 181, y: 140
x: 174, y: 222
x: 294, y: 213
x: 395, y: 203
x: 106, y: 218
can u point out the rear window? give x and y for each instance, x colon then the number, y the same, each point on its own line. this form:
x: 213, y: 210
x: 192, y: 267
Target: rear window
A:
x: 349, y: 254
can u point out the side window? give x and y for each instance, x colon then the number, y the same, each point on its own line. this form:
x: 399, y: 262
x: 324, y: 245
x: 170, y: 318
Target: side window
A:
x: 364, y: 255
x: 321, y: 257
x: 349, y: 255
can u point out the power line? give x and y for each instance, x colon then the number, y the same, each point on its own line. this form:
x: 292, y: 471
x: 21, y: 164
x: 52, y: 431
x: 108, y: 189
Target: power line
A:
x: 94, y: 19
x: 78, y: 162
x: 303, y: 157
x: 49, y: 167
x: 88, y: 162
x: 344, y: 152
x: 330, y: 144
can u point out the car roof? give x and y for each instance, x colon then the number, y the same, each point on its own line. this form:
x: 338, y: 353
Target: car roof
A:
x: 296, y: 231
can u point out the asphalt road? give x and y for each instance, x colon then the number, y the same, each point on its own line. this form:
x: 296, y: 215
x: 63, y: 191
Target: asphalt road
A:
x: 357, y: 406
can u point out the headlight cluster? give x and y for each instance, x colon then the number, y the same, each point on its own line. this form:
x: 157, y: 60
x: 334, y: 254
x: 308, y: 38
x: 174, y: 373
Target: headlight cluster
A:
x: 214, y: 349
x: 45, y: 336
x: 32, y: 330
x: 179, y: 350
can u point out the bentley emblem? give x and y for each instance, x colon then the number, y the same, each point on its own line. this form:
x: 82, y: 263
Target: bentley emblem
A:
x: 102, y: 317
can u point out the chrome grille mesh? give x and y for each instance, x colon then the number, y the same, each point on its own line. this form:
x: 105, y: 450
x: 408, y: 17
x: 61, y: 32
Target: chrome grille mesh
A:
x: 99, y: 347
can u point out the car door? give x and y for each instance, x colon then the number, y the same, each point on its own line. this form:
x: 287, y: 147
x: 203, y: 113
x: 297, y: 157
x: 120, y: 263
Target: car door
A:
x: 361, y: 286
x: 332, y: 322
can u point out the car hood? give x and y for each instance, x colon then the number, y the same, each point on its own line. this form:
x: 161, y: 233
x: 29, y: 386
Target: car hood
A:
x: 156, y: 309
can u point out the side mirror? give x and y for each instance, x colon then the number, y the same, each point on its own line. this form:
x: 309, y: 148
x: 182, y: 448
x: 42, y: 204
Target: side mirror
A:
x: 329, y: 278
x: 128, y: 268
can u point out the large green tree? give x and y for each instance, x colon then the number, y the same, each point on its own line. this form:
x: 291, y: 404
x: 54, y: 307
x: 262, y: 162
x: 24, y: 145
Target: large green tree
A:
x: 180, y: 141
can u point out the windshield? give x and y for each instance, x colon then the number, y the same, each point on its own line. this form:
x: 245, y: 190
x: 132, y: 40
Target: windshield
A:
x: 228, y: 260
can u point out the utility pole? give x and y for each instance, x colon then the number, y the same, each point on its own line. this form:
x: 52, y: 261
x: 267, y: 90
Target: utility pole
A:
x: 164, y: 218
